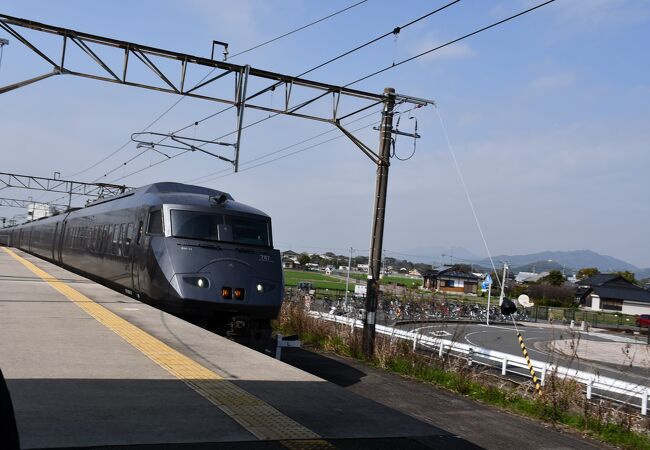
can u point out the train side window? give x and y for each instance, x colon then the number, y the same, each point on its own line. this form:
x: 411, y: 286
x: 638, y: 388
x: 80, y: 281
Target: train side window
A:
x: 109, y: 239
x: 140, y: 230
x: 128, y: 238
x: 105, y: 231
x: 120, y: 240
x: 116, y: 232
x: 155, y: 225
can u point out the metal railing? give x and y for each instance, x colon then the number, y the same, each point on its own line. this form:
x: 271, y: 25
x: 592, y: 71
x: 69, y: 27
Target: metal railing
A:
x: 594, y: 384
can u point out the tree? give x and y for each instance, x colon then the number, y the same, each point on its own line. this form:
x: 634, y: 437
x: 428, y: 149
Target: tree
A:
x: 554, y: 278
x: 587, y: 272
x: 629, y: 276
x: 304, y: 259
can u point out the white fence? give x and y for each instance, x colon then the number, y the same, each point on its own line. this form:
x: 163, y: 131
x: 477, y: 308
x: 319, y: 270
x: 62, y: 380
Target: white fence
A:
x: 509, y: 363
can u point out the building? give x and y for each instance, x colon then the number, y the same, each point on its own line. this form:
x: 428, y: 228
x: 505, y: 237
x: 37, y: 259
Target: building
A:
x: 612, y: 292
x: 451, y: 279
x: 530, y: 277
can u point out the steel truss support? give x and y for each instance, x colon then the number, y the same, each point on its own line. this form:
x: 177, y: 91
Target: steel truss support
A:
x: 19, y: 203
x: 99, y: 190
x: 294, y: 87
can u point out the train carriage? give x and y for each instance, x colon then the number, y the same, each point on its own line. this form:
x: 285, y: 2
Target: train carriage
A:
x: 187, y: 249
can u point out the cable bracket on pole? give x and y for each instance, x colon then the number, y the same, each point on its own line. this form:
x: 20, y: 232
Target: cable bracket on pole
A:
x: 180, y: 143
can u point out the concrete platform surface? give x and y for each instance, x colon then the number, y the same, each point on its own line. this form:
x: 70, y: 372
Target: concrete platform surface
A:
x: 88, y: 367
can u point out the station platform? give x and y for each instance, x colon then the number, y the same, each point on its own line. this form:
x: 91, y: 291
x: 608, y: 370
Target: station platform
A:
x: 87, y: 367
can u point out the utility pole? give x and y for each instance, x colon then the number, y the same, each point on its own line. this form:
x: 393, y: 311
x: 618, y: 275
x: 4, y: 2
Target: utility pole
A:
x: 503, y: 283
x: 347, y: 280
x: 377, y: 237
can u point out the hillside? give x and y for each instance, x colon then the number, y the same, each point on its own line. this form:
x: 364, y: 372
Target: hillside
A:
x: 576, y: 259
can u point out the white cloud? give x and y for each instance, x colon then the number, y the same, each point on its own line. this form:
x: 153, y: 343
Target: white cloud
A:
x: 589, y: 13
x: 459, y: 50
x: 553, y: 81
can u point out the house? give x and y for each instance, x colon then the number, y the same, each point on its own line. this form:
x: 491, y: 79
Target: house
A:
x: 415, y: 273
x: 289, y: 263
x: 530, y: 277
x: 451, y: 279
x: 612, y: 292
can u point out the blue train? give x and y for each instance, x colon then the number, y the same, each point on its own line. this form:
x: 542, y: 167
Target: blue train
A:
x: 187, y: 249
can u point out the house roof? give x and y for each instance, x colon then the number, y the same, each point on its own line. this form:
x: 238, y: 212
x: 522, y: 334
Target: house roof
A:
x: 610, y: 285
x: 599, y: 279
x: 527, y: 277
x: 450, y: 272
x: 635, y: 294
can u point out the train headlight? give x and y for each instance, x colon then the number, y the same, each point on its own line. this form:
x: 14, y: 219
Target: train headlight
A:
x: 239, y: 293
x: 226, y: 292
x: 264, y: 287
x: 201, y: 282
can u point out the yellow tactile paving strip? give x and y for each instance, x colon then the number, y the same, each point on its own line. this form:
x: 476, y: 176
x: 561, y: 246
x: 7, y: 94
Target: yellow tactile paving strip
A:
x: 256, y: 416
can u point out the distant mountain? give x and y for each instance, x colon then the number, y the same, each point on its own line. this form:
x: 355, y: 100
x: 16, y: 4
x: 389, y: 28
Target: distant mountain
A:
x: 576, y: 259
x: 539, y: 266
x: 642, y: 273
x: 435, y: 254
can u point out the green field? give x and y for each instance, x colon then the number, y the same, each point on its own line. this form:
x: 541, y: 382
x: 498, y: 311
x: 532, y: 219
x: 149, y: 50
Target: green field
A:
x: 406, y: 281
x: 320, y: 281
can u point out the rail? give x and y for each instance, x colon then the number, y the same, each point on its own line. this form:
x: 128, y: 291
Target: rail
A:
x: 594, y: 384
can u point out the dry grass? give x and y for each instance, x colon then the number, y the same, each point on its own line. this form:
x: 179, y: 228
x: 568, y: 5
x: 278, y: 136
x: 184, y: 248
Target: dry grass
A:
x: 562, y: 402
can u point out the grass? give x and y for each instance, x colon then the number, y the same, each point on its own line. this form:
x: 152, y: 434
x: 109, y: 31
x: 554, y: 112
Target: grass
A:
x: 562, y: 403
x: 318, y: 280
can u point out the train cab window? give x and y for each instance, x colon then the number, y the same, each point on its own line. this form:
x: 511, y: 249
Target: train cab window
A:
x: 246, y: 230
x: 155, y: 225
x: 217, y: 227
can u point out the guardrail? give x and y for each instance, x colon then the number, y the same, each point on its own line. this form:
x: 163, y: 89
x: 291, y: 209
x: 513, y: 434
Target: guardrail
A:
x: 508, y: 363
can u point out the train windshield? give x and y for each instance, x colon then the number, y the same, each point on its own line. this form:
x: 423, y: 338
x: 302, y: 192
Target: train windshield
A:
x: 209, y: 226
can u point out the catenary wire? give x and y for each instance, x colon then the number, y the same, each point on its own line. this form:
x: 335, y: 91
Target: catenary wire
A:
x: 297, y: 29
x: 438, y: 48
x: 329, y: 61
x: 294, y: 153
x: 359, y: 47
x: 480, y: 30
x: 266, y: 155
x: 411, y: 59
x: 247, y: 162
x: 180, y: 99
x: 430, y: 50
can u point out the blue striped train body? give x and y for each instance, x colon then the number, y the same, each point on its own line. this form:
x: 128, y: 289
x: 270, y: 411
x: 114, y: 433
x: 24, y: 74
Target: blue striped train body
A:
x: 186, y: 249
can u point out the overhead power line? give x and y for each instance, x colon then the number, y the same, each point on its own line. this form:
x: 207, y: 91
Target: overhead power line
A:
x: 329, y: 61
x: 376, y: 72
x: 480, y: 30
x: 180, y: 99
x: 419, y: 55
x: 297, y: 29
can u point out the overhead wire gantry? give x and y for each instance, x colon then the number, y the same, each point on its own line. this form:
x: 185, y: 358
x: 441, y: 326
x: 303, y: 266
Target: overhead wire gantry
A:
x: 97, y: 190
x: 345, y: 102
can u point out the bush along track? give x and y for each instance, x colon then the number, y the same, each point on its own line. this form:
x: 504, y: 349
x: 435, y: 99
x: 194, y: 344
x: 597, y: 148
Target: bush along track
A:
x: 562, y: 402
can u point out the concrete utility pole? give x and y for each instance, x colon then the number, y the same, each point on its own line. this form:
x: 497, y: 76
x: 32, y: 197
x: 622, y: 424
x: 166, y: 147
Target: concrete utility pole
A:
x: 347, y: 281
x: 377, y: 237
x: 503, y: 283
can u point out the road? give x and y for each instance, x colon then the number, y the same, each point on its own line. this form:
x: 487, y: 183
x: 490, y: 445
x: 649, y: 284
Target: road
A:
x: 609, y: 354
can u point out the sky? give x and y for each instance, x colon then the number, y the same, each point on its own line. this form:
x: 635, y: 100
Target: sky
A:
x: 547, y: 118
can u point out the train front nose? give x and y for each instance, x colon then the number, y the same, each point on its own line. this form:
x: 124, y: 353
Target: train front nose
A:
x: 232, y: 283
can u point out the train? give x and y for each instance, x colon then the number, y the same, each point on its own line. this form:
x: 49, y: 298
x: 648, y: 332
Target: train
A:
x: 189, y: 250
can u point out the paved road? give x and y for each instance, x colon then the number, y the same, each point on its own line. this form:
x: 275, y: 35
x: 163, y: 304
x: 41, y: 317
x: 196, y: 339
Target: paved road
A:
x: 606, y: 356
